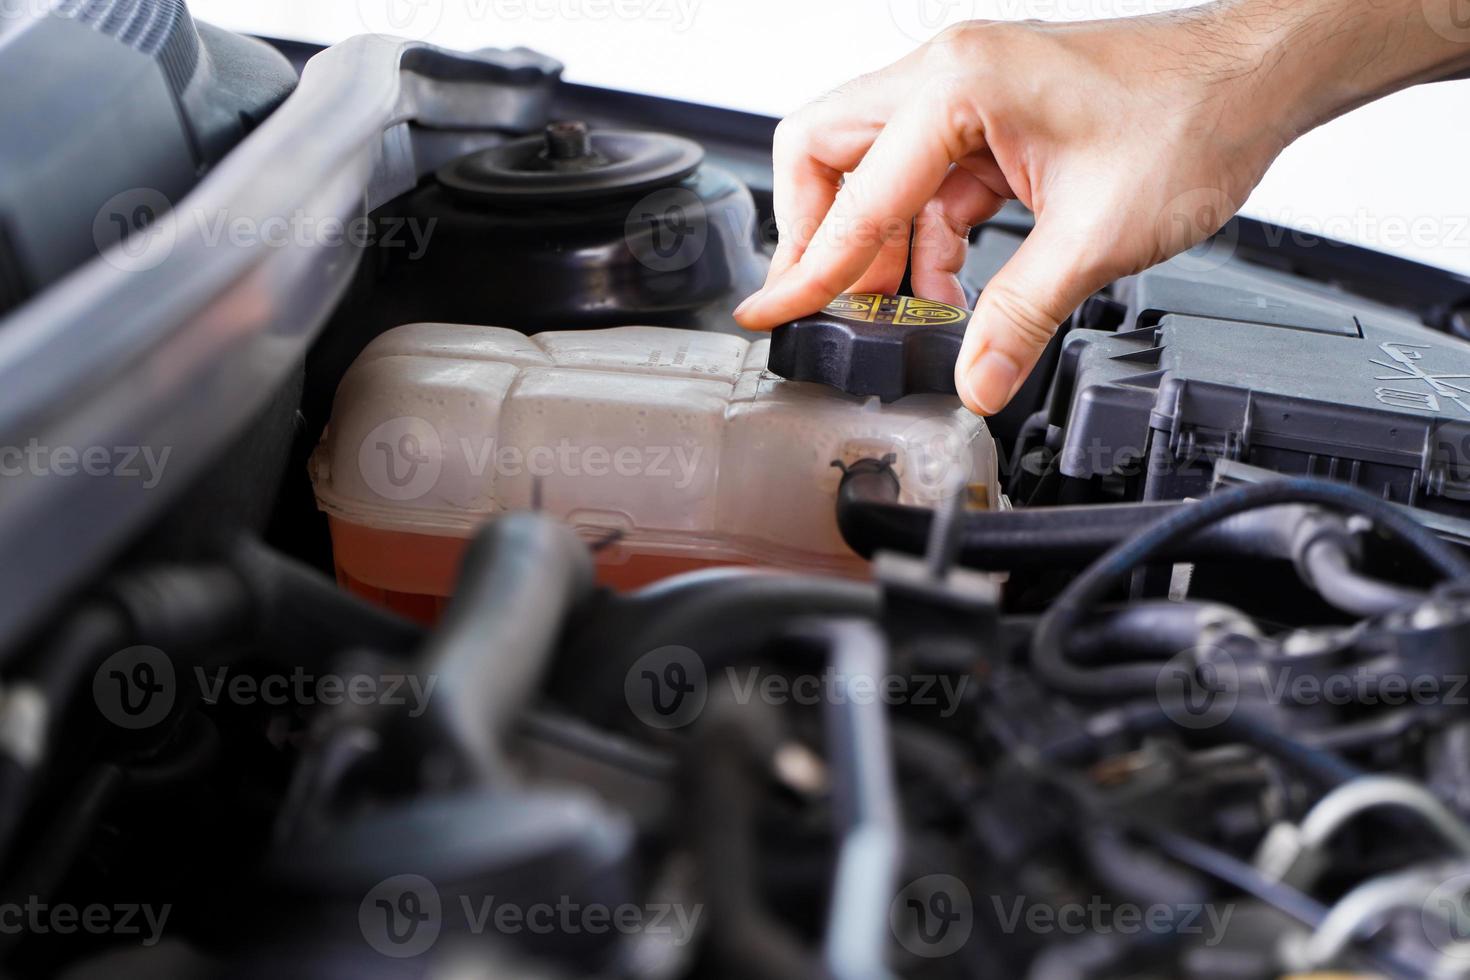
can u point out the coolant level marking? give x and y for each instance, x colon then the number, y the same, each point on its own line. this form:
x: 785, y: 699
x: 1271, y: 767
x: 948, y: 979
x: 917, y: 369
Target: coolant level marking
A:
x: 902, y: 311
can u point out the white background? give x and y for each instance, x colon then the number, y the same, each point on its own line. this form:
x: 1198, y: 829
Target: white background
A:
x: 1394, y: 175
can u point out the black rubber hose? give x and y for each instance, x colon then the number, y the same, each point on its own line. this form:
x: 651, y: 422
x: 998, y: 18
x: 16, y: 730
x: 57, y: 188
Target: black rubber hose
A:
x: 870, y: 519
x: 297, y: 608
x: 1048, y: 647
x: 291, y: 608
x: 864, y: 796
x: 521, y: 577
x: 1137, y: 874
x: 725, y: 765
x: 1144, y: 630
x: 1330, y: 571
x: 729, y: 621
x: 721, y: 615
x: 1323, y: 768
x: 152, y: 606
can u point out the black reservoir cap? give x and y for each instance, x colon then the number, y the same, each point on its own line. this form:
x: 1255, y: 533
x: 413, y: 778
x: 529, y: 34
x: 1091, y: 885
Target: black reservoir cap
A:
x: 873, y: 344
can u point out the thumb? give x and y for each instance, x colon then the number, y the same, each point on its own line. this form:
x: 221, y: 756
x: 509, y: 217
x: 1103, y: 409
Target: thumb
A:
x: 1053, y: 271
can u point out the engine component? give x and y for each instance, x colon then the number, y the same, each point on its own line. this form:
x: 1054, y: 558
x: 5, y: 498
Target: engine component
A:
x: 1280, y: 378
x: 672, y: 449
x: 583, y: 227
x: 140, y: 100
x: 871, y: 344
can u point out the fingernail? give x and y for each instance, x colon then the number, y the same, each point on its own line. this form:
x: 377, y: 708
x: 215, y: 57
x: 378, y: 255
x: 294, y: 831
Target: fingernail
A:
x: 991, y: 379
x: 746, y: 303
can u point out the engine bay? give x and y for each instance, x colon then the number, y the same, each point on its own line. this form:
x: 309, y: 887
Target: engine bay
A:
x: 541, y: 622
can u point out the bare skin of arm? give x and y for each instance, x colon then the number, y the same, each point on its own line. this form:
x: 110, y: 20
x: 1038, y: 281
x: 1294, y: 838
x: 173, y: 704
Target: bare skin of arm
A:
x: 1131, y: 140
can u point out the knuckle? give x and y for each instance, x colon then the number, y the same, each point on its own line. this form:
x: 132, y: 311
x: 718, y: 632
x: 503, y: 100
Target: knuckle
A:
x: 950, y: 96
x: 961, y: 39
x: 790, y: 136
x: 1028, y: 320
x: 938, y: 218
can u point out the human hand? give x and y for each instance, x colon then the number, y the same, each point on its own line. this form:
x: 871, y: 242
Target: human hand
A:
x: 1131, y: 140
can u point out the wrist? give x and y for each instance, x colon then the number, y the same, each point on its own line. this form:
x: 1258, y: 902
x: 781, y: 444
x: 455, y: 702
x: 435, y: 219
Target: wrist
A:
x: 1305, y: 62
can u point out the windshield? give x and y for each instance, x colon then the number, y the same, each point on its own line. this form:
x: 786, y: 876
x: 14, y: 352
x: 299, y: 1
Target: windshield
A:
x: 1389, y: 176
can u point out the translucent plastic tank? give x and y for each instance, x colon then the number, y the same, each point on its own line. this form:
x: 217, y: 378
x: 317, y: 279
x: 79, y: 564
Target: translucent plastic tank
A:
x: 669, y: 449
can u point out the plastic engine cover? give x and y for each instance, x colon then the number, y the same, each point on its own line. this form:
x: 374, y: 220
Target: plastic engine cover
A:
x: 1374, y: 400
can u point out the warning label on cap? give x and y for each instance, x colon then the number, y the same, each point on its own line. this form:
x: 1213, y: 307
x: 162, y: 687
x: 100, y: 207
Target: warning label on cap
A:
x: 903, y: 311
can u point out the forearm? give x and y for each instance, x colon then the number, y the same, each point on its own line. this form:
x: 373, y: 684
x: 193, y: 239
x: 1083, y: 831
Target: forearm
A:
x: 1316, y: 59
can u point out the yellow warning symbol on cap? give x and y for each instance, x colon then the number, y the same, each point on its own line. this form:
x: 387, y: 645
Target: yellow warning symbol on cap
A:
x: 903, y: 311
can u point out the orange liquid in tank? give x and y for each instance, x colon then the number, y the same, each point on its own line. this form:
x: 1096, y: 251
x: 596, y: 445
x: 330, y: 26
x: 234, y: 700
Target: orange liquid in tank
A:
x: 414, y: 574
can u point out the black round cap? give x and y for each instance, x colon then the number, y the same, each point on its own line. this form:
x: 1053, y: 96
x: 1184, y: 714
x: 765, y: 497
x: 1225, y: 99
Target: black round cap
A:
x: 570, y: 163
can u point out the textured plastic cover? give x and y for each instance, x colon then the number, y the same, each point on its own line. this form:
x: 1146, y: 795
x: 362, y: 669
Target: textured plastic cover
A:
x: 1294, y: 380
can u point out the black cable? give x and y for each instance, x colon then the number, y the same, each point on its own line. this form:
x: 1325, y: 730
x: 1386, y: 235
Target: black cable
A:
x: 1048, y: 648
x: 1238, y: 874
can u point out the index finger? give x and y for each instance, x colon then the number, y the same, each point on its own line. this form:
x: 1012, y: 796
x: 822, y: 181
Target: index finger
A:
x: 896, y: 178
x: 811, y: 151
